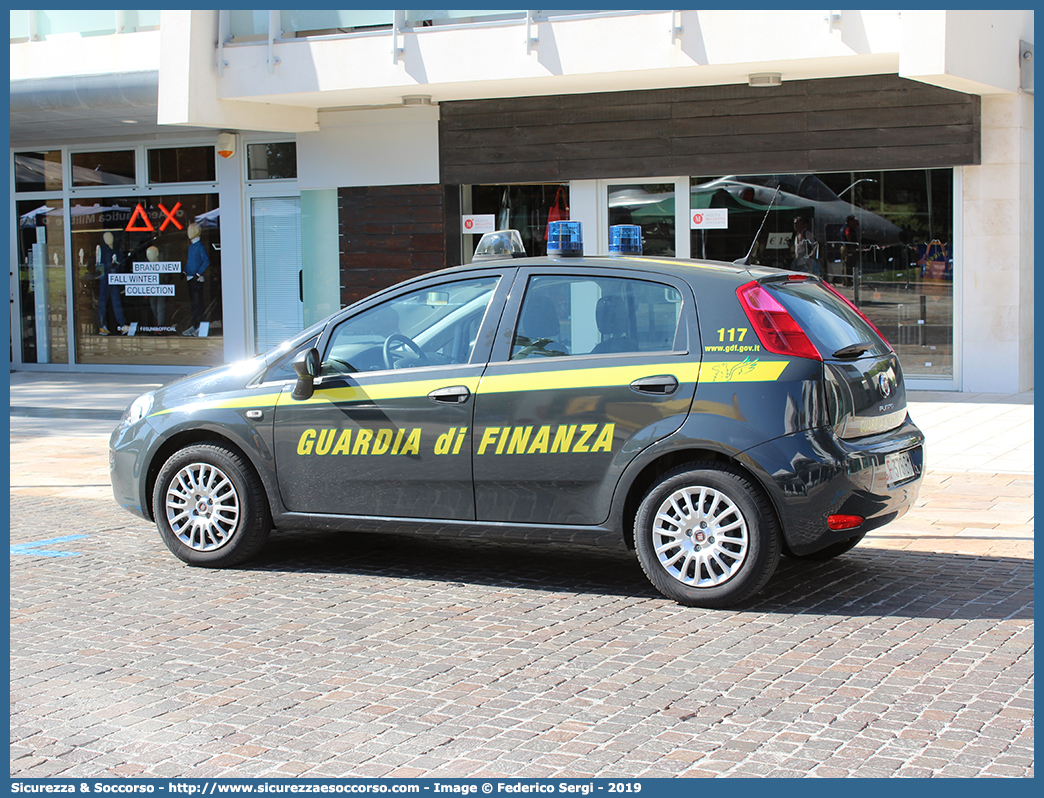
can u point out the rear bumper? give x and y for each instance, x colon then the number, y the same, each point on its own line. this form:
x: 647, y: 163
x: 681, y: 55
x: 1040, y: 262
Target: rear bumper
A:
x: 813, y: 474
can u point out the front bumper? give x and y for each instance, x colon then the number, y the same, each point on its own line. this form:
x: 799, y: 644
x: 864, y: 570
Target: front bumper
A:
x: 128, y: 446
x: 812, y: 475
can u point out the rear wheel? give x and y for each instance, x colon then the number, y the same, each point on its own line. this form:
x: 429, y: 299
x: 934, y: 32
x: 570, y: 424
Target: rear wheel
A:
x: 210, y: 507
x: 706, y: 536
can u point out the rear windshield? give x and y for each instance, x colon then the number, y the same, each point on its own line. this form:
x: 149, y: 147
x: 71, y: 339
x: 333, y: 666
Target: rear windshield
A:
x: 829, y: 322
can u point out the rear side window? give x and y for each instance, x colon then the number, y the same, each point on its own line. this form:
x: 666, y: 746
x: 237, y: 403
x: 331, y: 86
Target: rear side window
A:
x: 582, y: 315
x: 826, y: 319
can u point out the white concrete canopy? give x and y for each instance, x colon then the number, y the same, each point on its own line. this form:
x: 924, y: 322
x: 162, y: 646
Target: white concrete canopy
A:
x: 574, y: 55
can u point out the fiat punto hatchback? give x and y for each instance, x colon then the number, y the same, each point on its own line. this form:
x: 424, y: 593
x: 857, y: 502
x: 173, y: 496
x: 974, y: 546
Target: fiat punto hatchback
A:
x: 710, y: 416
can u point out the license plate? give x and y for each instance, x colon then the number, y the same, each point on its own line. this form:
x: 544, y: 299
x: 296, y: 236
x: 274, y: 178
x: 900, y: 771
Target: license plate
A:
x: 899, y: 467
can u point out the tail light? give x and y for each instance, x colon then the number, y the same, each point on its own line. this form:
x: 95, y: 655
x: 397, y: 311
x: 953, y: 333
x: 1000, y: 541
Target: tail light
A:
x: 862, y: 315
x: 777, y: 330
x: 840, y: 522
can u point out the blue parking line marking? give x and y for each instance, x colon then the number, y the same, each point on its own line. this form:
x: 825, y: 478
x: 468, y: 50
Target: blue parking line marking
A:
x: 34, y: 548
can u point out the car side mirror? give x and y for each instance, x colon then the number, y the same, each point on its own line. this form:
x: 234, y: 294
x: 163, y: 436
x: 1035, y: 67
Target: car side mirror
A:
x: 307, y: 368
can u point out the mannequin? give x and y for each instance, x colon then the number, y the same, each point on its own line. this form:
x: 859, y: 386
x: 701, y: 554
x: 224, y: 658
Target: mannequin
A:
x: 108, y: 259
x: 158, y: 303
x: 195, y: 267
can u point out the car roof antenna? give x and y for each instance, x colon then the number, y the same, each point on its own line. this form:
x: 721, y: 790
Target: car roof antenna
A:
x: 745, y: 261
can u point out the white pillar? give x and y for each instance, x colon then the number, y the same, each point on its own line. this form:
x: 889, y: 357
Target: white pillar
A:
x: 997, y: 304
x: 584, y: 207
x: 236, y: 279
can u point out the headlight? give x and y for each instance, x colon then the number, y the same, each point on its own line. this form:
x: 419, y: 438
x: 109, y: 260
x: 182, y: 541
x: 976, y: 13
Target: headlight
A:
x: 138, y: 409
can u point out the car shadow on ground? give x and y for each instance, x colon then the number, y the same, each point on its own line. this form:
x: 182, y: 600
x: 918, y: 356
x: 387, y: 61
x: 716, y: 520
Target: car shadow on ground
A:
x: 864, y: 582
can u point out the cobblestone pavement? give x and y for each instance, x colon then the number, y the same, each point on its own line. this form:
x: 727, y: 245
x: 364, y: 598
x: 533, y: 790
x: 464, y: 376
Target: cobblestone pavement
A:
x: 353, y: 655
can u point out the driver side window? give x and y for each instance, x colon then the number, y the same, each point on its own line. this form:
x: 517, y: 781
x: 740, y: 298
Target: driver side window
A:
x: 432, y: 326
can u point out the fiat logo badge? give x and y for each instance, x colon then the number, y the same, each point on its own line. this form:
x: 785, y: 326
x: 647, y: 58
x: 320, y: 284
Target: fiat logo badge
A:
x: 886, y: 385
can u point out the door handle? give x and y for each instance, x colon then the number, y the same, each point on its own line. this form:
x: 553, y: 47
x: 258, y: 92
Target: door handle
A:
x: 453, y: 395
x: 662, y: 384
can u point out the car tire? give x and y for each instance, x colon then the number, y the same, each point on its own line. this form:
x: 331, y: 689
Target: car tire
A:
x: 210, y: 506
x: 706, y: 536
x: 831, y: 551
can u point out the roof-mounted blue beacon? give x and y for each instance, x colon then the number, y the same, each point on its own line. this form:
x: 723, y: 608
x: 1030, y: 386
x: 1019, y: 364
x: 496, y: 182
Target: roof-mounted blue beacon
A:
x: 625, y: 239
x: 565, y: 240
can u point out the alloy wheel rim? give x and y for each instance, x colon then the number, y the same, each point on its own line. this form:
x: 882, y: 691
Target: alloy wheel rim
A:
x: 700, y: 537
x: 202, y: 507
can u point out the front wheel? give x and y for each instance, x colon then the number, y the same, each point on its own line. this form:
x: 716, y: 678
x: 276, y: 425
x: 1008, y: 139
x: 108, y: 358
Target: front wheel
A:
x: 210, y: 507
x: 706, y: 536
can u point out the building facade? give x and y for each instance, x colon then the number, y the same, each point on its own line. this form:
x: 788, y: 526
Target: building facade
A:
x: 313, y: 157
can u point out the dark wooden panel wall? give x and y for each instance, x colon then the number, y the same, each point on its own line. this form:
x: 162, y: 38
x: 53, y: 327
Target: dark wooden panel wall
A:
x: 876, y: 122
x: 389, y: 234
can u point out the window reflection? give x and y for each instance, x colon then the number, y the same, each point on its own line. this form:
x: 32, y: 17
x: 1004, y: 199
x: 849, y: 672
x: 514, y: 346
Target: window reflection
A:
x: 182, y: 165
x: 275, y: 161
x: 114, y: 168
x: 38, y: 171
x: 883, y: 238
x: 651, y: 207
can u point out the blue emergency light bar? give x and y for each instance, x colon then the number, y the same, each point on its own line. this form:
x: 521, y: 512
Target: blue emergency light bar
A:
x: 625, y: 239
x: 565, y: 240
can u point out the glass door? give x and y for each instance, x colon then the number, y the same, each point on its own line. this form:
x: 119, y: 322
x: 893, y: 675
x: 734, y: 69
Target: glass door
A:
x: 42, y: 288
x: 275, y: 224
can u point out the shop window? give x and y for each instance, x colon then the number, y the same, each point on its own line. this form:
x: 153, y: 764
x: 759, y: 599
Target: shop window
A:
x: 41, y: 282
x: 133, y: 258
x: 113, y: 168
x: 38, y: 171
x: 884, y: 239
x: 526, y: 208
x: 275, y: 161
x: 182, y: 165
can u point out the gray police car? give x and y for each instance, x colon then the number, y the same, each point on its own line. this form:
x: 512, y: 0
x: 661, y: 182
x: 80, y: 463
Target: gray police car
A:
x: 710, y: 416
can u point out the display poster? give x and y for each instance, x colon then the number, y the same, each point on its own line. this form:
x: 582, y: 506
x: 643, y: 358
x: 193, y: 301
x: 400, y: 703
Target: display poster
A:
x: 144, y: 280
x: 710, y: 219
x: 482, y: 223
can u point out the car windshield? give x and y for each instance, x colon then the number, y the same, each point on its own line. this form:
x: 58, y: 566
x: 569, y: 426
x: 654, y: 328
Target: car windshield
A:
x: 294, y: 342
